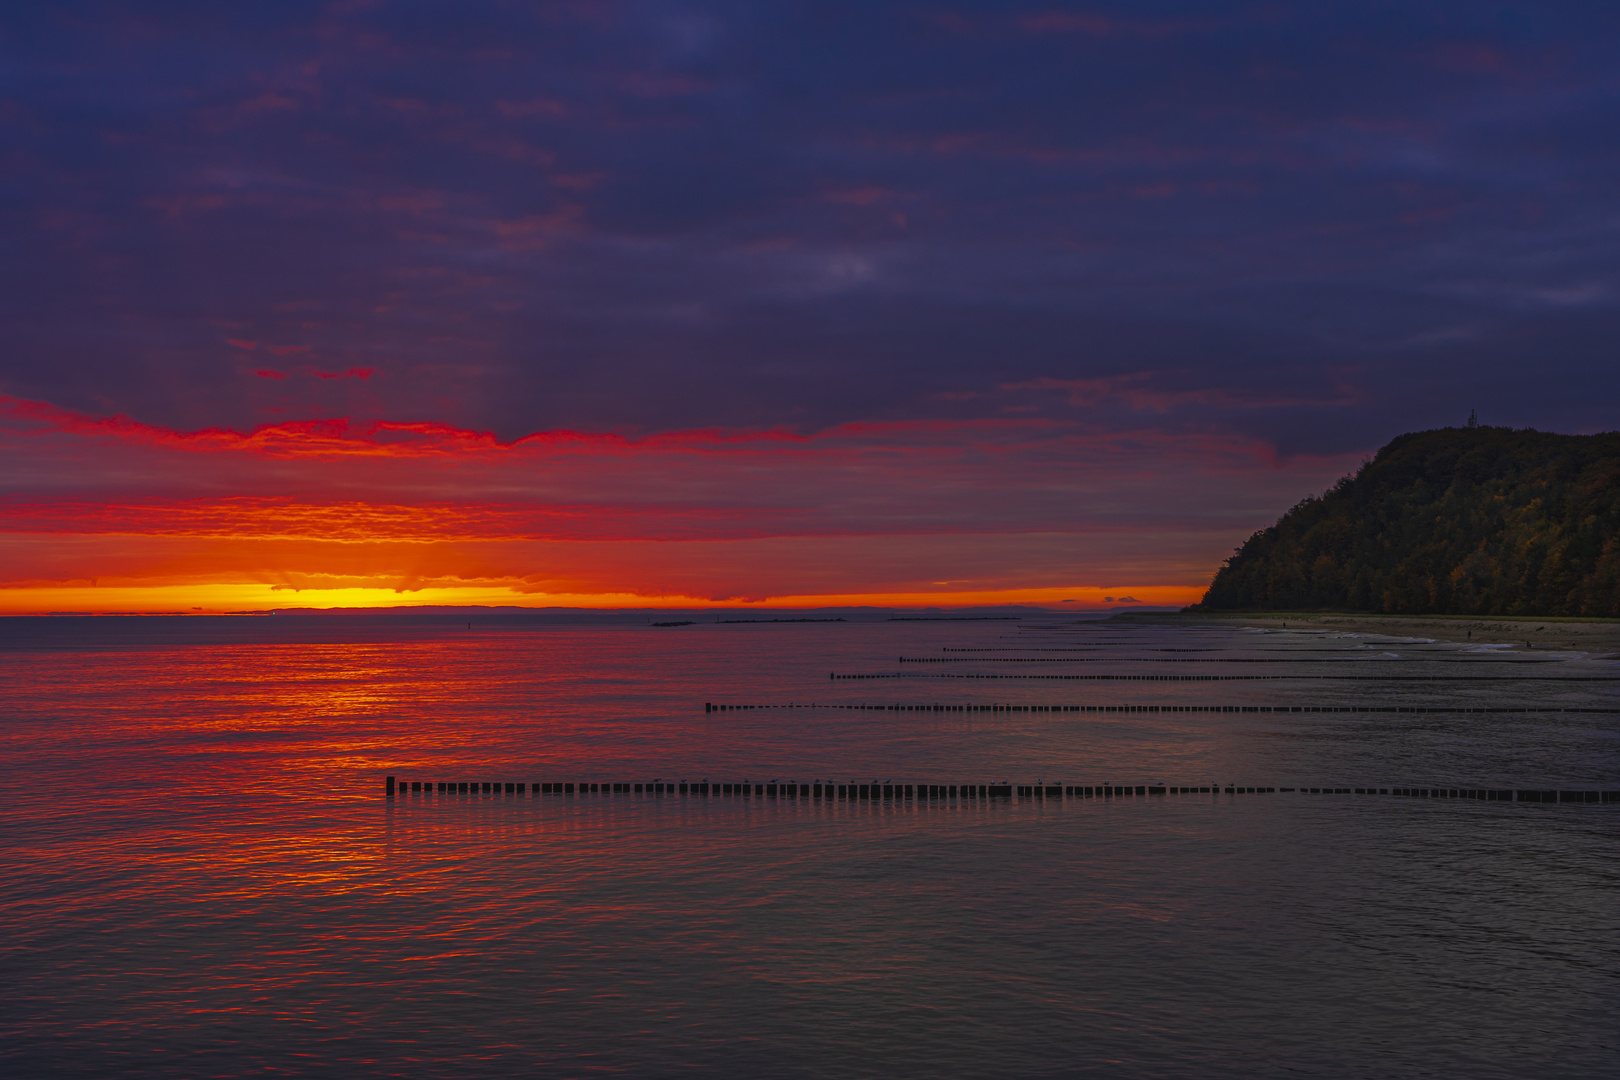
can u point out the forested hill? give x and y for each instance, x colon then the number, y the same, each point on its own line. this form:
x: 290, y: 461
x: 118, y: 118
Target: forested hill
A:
x: 1465, y: 521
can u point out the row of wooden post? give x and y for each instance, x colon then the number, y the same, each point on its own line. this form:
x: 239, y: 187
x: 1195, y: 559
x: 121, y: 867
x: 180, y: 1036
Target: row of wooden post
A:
x: 931, y: 792
x: 711, y: 707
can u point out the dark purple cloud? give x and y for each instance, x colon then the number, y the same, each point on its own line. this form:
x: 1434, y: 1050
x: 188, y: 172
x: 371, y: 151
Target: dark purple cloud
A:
x: 1314, y: 224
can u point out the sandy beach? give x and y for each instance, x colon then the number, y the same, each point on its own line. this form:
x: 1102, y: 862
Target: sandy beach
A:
x: 1600, y: 636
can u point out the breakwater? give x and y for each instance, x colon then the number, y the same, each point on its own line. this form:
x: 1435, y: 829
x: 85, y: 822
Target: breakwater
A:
x: 1197, y: 659
x: 821, y: 791
x: 710, y: 707
x: 835, y: 677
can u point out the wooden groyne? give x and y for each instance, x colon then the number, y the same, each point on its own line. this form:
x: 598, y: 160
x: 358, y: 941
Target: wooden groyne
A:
x: 712, y: 707
x: 909, y: 675
x: 1199, y: 659
x: 891, y: 792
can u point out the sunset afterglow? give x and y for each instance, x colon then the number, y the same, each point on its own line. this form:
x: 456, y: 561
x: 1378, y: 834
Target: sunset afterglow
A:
x: 569, y: 305
x: 732, y: 538
x: 127, y: 516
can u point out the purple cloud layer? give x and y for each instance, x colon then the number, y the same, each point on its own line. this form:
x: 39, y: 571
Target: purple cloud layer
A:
x: 1311, y: 226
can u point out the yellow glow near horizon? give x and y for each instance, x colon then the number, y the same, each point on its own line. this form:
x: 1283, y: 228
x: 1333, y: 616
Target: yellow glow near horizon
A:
x: 221, y: 598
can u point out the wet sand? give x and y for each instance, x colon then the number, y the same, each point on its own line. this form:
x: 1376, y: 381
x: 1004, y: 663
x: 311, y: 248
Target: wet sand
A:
x: 1599, y: 636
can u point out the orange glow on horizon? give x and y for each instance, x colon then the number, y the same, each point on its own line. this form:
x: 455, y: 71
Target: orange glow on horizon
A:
x: 125, y: 516
x: 244, y: 597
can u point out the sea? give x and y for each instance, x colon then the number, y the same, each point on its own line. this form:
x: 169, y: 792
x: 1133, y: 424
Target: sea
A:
x: 1225, y: 852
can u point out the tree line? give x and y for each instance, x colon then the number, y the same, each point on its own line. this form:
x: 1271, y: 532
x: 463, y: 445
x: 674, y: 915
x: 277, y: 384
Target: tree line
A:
x: 1474, y: 520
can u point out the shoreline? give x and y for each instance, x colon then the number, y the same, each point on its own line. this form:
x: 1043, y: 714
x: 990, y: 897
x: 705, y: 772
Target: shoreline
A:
x: 1586, y: 635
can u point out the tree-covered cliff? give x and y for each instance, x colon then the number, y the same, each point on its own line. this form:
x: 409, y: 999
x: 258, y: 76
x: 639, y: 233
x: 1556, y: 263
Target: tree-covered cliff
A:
x: 1465, y: 521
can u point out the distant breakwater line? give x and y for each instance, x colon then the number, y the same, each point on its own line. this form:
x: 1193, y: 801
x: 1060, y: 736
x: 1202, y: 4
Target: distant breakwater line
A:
x: 914, y: 793
x: 1210, y: 660
x: 711, y: 707
x: 835, y: 677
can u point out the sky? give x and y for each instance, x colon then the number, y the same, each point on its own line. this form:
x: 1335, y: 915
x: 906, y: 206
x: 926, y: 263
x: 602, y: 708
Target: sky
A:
x: 775, y: 304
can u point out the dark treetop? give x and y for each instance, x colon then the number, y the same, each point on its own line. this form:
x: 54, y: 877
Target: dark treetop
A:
x: 1466, y: 521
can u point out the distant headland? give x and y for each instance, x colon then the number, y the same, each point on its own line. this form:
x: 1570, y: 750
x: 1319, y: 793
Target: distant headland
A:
x: 1476, y: 520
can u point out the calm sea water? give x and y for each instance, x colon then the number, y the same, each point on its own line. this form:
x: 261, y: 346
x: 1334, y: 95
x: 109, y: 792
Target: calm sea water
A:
x: 202, y: 878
